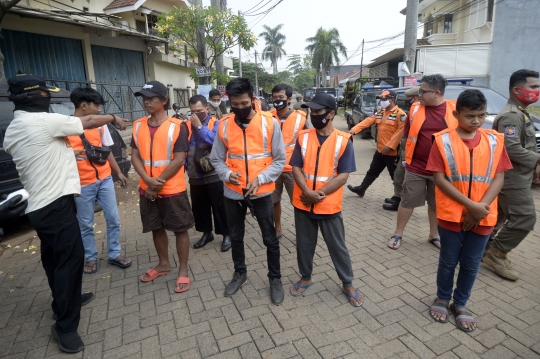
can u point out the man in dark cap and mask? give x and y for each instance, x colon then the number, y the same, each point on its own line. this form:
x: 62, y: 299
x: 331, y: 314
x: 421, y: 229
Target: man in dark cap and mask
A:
x: 321, y: 162
x: 38, y: 142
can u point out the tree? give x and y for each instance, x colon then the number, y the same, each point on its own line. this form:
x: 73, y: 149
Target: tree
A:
x: 274, y: 42
x: 295, y: 64
x: 304, y: 79
x: 221, y: 28
x: 325, y: 47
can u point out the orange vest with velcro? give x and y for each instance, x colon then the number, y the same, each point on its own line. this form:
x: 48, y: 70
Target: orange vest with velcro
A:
x: 470, y: 171
x: 294, y: 123
x: 249, y: 150
x: 320, y: 167
x: 90, y: 172
x: 157, y: 152
x: 417, y: 118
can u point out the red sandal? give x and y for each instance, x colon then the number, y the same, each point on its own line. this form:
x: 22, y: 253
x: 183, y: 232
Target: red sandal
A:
x: 182, y: 280
x: 152, y: 274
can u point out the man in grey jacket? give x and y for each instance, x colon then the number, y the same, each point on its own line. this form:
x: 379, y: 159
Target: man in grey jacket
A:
x: 249, y: 155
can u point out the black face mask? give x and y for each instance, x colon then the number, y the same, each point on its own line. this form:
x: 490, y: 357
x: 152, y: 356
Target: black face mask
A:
x: 242, y: 114
x: 280, y: 104
x: 201, y: 115
x: 33, y: 104
x: 320, y: 121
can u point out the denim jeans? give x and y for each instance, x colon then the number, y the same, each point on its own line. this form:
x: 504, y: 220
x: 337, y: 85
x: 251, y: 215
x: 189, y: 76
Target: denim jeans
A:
x: 236, y: 218
x: 103, y: 192
x: 467, y: 248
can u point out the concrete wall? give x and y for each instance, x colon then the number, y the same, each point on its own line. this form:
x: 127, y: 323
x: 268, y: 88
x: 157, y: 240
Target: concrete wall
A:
x: 170, y: 74
x: 516, y: 41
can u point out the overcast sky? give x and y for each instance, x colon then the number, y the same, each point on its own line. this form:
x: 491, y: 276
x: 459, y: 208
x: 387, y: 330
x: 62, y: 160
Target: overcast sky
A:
x: 354, y: 19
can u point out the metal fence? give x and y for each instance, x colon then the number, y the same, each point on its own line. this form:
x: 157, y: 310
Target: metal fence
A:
x: 182, y: 96
x: 121, y: 99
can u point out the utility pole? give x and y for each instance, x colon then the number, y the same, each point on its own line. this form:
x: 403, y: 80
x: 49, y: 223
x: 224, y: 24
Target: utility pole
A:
x: 239, y: 54
x: 362, y: 61
x: 256, y: 76
x: 411, y: 30
x: 220, y: 4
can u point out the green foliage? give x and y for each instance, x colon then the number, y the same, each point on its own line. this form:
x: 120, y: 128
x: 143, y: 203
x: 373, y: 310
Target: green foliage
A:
x: 266, y: 80
x: 304, y: 79
x: 274, y: 42
x: 325, y: 47
x: 295, y: 64
x: 222, y: 29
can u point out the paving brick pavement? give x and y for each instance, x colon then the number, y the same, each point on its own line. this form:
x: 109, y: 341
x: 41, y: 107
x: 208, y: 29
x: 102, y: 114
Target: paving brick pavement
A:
x: 148, y: 320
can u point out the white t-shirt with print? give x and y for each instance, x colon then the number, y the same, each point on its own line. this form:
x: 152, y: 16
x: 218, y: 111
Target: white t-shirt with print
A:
x: 38, y: 143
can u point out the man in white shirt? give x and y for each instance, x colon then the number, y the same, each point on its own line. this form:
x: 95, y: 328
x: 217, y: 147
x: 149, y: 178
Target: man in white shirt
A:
x: 37, y: 141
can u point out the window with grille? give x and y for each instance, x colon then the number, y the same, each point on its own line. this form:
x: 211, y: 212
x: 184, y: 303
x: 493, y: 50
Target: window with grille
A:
x: 448, y: 23
x: 141, y: 26
x: 152, y: 22
x: 478, y: 13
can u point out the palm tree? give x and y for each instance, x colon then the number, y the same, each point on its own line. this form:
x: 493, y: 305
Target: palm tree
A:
x: 325, y: 47
x: 274, y: 41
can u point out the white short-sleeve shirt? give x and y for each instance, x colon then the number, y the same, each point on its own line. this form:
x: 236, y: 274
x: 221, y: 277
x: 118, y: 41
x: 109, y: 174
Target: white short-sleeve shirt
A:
x: 38, y: 143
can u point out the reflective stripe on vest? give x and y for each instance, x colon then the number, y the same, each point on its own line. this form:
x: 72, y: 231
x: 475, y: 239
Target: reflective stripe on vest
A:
x: 455, y: 176
x: 336, y: 158
x: 267, y: 153
x: 411, y: 119
x: 170, y: 135
x: 295, y: 132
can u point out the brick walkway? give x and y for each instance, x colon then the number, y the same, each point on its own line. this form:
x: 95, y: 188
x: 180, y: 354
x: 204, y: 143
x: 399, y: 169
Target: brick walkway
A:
x: 130, y: 319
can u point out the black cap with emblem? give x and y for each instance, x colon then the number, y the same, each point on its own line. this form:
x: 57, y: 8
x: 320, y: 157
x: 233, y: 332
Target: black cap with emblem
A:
x: 26, y: 83
x: 153, y: 89
x: 321, y: 100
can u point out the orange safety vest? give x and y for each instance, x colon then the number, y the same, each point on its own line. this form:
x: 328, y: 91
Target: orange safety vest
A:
x: 249, y: 150
x: 289, y: 130
x: 157, y: 152
x: 90, y: 172
x: 320, y: 167
x: 417, y: 119
x: 470, y: 171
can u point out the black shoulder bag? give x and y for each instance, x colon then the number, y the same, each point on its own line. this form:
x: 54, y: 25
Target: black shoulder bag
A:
x: 95, y: 154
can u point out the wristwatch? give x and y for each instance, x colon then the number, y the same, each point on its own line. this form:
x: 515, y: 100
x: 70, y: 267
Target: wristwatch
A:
x: 199, y: 127
x: 114, y: 118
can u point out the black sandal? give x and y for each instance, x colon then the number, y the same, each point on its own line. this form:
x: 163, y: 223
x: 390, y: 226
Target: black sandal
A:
x: 397, y: 242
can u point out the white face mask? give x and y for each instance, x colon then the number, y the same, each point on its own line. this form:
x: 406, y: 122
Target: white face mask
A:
x: 384, y: 104
x: 215, y: 104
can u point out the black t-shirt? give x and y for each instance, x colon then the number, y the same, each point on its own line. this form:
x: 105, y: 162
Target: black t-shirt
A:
x: 181, y: 144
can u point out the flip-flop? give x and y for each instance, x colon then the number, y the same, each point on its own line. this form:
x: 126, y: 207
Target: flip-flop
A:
x: 183, y: 280
x: 462, y: 317
x: 353, y: 296
x: 397, y: 242
x: 152, y: 274
x: 118, y: 262
x: 433, y: 240
x: 91, y: 266
x: 304, y: 287
x: 439, y: 308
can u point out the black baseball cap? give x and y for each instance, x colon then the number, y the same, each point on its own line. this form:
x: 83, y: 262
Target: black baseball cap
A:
x: 387, y: 93
x: 321, y: 100
x: 153, y: 89
x: 25, y: 83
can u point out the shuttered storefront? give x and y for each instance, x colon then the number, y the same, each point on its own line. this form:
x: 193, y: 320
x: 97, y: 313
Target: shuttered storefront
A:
x: 120, y: 73
x: 52, y: 57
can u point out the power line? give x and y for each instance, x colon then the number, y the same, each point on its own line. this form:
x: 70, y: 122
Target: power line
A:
x: 267, y: 10
x: 247, y: 11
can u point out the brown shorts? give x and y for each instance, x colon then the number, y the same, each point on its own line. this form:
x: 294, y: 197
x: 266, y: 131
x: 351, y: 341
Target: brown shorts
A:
x: 285, y: 179
x: 417, y: 189
x: 172, y: 213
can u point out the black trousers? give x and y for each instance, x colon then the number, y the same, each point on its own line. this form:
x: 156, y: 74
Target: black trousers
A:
x: 208, y: 199
x: 236, y: 217
x: 62, y: 255
x: 378, y: 164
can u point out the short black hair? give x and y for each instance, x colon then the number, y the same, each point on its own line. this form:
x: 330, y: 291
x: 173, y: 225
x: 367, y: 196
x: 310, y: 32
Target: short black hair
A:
x: 240, y: 86
x: 214, y: 92
x: 198, y: 98
x: 23, y: 96
x: 86, y: 94
x: 436, y: 82
x: 471, y: 99
x: 283, y: 87
x: 520, y: 77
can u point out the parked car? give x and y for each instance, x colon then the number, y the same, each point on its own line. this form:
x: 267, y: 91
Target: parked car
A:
x: 60, y: 103
x: 495, y: 100
x: 265, y: 104
x: 340, y: 98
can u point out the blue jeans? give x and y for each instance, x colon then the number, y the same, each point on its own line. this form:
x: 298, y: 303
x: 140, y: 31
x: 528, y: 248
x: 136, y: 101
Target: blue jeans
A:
x: 103, y: 192
x: 466, y: 248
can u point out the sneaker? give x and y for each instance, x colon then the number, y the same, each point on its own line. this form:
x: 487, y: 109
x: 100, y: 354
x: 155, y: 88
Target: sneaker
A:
x: 359, y: 190
x: 276, y: 291
x: 68, y: 342
x: 497, y: 260
x: 239, y: 279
